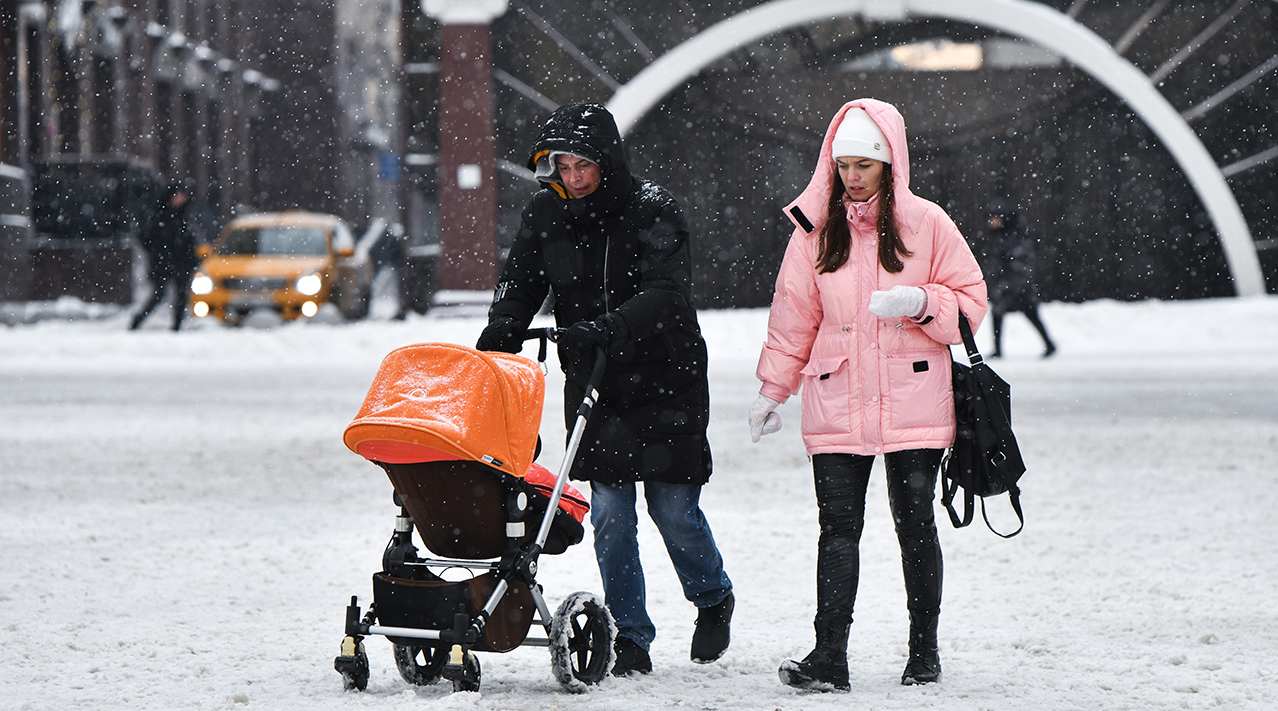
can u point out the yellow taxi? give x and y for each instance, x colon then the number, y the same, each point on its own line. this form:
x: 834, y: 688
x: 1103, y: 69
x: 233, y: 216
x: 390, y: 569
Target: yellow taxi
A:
x: 288, y: 262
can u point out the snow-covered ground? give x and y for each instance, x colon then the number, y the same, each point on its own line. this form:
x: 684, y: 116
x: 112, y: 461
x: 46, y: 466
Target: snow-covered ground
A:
x: 181, y: 526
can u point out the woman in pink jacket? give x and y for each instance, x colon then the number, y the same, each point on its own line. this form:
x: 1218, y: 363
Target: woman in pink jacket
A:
x: 866, y: 302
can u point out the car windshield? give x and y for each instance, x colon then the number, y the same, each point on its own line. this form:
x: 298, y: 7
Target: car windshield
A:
x: 288, y: 241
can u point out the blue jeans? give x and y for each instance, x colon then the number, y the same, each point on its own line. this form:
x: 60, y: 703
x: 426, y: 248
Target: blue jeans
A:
x: 676, y: 510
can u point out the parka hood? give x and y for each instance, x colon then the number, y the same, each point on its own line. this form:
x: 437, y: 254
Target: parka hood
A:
x: 813, y: 200
x: 588, y: 131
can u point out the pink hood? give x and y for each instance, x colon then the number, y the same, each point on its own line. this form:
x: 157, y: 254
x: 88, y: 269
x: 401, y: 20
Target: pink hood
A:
x: 812, y: 201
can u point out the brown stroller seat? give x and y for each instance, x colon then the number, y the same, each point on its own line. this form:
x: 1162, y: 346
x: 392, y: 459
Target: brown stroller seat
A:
x: 460, y: 508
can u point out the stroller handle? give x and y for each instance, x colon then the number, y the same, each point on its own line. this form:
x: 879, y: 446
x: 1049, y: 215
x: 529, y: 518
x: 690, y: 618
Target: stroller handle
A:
x: 574, y: 439
x: 553, y: 334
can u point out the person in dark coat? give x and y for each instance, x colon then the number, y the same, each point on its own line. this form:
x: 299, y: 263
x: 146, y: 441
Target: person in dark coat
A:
x: 1013, y: 288
x: 170, y: 250
x: 388, y: 252
x: 612, y: 249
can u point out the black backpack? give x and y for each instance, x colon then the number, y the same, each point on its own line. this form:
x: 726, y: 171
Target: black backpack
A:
x: 984, y: 459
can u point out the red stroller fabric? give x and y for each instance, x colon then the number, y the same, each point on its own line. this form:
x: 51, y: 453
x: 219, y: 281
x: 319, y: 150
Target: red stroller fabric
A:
x: 570, y: 501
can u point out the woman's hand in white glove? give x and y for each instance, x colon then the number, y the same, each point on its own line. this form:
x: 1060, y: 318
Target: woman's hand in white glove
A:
x: 762, y: 418
x: 899, y: 301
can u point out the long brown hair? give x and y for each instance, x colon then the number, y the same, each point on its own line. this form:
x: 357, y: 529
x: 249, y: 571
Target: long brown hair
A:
x: 835, y: 241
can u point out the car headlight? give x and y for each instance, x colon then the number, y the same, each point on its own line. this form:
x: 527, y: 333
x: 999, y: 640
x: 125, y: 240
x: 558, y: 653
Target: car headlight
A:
x: 201, y: 284
x: 309, y: 285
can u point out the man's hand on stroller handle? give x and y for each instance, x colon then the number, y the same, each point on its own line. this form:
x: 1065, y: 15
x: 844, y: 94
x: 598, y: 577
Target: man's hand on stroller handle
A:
x: 589, y: 335
x: 500, y: 335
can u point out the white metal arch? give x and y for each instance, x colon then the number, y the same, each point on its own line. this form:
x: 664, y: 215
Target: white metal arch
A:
x: 1032, y: 21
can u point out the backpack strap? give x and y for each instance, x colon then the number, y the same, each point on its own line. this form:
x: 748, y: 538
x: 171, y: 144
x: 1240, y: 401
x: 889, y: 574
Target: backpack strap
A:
x: 1014, y: 494
x: 969, y: 341
x: 951, y: 486
x: 949, y: 489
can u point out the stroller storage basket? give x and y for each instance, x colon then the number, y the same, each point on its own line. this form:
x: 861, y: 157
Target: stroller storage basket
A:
x: 431, y: 604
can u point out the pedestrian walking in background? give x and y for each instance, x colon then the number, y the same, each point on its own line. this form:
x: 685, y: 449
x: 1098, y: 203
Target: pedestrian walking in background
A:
x: 389, y: 253
x: 613, y: 249
x: 1012, y: 286
x: 867, y: 301
x: 170, y: 252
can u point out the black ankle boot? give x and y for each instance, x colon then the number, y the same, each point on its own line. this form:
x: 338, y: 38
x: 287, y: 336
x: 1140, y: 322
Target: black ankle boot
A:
x: 826, y: 667
x: 714, y: 624
x: 924, y: 666
x: 631, y: 658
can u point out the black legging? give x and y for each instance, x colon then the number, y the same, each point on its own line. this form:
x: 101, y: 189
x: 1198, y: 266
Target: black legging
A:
x: 841, y: 481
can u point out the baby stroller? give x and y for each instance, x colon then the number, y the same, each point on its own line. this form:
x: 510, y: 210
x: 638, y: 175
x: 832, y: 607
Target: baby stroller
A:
x: 456, y: 430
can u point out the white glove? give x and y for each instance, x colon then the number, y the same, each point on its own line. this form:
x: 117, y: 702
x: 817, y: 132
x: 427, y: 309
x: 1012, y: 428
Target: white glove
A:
x: 899, y: 301
x: 762, y: 418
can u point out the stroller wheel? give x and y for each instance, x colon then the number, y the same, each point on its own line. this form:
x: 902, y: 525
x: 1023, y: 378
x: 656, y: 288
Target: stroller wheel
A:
x: 353, y: 665
x: 581, y: 637
x: 425, y: 673
x: 465, y: 676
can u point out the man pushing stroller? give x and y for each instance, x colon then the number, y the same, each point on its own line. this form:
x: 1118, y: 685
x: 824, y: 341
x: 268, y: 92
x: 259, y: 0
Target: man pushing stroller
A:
x: 613, y: 249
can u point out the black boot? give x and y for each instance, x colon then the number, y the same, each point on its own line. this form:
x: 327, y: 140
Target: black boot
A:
x: 710, y: 639
x: 826, y: 667
x: 630, y: 658
x: 924, y: 666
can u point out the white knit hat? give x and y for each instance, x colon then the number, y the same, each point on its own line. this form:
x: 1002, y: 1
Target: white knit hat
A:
x: 858, y: 136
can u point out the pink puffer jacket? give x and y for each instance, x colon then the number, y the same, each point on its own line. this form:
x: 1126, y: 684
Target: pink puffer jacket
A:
x: 870, y: 385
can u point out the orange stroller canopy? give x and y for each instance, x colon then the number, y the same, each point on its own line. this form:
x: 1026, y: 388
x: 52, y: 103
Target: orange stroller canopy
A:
x: 441, y: 401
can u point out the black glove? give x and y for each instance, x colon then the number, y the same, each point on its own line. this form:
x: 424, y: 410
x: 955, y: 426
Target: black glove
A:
x: 588, y: 335
x: 501, y: 334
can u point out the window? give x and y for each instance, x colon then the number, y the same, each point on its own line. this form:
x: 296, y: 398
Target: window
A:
x: 279, y: 241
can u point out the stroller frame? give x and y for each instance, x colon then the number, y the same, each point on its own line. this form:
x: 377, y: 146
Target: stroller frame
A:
x: 580, y: 634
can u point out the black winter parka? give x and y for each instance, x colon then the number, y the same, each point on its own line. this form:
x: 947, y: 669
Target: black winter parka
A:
x: 1013, y: 286
x: 623, y: 251
x: 168, y: 241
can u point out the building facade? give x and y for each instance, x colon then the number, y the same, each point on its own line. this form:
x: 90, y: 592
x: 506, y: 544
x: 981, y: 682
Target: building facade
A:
x: 255, y: 105
x: 335, y: 106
